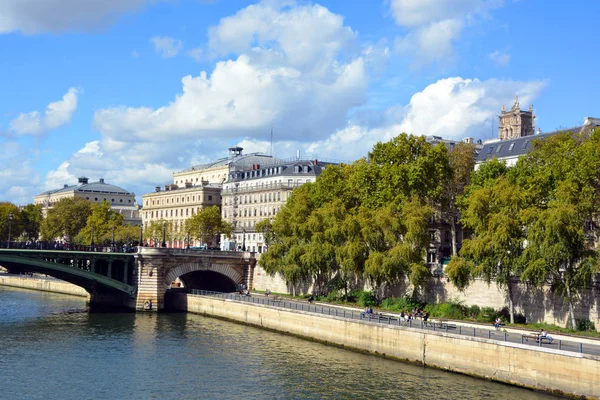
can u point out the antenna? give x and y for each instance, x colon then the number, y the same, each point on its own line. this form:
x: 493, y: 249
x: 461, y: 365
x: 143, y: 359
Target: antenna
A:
x: 271, y: 151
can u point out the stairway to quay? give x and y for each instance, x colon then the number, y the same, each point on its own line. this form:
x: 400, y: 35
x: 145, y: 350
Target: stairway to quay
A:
x: 565, y: 365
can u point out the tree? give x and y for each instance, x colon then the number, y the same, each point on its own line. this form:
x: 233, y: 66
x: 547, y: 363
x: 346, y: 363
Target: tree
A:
x: 206, y: 224
x: 31, y: 217
x: 102, y: 221
x: 16, y: 226
x: 461, y: 162
x: 66, y: 219
x: 367, y: 220
x: 562, y: 179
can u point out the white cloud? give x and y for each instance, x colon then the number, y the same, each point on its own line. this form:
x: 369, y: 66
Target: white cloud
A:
x: 502, y: 59
x: 39, y: 16
x: 56, y: 114
x: 195, y: 53
x: 303, y: 71
x: 135, y: 54
x: 434, y: 25
x: 166, y: 46
x: 452, y: 108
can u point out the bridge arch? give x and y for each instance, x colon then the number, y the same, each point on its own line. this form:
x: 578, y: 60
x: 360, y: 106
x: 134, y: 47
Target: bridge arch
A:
x: 234, y: 274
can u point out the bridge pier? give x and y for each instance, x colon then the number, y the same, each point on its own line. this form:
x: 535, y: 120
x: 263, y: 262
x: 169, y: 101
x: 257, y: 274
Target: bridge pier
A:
x: 157, y: 268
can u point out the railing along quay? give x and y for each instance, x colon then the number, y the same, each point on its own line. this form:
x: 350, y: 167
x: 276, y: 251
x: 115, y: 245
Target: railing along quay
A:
x: 529, y: 340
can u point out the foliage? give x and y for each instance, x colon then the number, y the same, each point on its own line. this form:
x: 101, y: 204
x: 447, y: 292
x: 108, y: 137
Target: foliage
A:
x: 398, y: 304
x: 367, y: 220
x: 206, y: 224
x: 16, y: 225
x: 65, y: 219
x: 366, y: 299
x: 585, y: 325
x: 102, y: 221
x: 31, y: 218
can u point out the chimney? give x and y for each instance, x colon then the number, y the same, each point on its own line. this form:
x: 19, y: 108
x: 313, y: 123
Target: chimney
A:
x: 315, y: 162
x: 539, y: 131
x: 83, y: 180
x: 253, y: 167
x: 66, y: 186
x: 166, y: 187
x: 257, y: 166
x: 157, y: 188
x: 101, y: 180
x: 188, y: 185
x: 297, y: 154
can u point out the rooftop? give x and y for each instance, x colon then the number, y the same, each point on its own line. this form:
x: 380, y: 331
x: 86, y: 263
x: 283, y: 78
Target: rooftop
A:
x: 94, y: 187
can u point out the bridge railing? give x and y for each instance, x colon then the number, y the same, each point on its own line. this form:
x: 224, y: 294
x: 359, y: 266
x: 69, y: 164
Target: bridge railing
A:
x: 67, y: 247
x: 532, y: 339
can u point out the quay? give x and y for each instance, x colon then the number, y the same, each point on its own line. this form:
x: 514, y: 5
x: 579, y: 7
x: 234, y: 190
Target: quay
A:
x: 573, y: 370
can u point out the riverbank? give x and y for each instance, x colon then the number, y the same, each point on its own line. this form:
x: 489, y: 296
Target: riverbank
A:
x: 546, y: 369
x: 42, y: 284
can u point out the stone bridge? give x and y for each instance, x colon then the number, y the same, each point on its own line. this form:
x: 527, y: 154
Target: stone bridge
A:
x: 135, y: 281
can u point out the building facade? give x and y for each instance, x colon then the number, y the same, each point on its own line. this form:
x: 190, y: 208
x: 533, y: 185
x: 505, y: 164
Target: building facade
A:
x: 253, y: 194
x: 192, y: 190
x: 516, y: 123
x: 174, y: 205
x: 119, y: 199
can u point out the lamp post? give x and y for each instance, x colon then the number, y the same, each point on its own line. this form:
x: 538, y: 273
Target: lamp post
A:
x: 113, y: 239
x: 10, y: 218
x: 92, y: 241
x: 164, y: 241
x: 188, y: 242
x: 141, y: 236
x: 244, y: 240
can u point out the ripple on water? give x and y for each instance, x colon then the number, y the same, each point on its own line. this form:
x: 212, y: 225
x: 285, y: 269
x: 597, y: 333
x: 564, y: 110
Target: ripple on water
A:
x: 54, y: 349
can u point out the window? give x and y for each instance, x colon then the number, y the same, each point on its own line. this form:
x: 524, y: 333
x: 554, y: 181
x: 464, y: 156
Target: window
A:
x: 525, y: 143
x: 432, y: 235
x: 112, y: 200
x: 446, y: 236
x: 499, y: 149
x: 490, y: 149
x: 209, y: 197
x: 430, y: 258
x: 512, y: 145
x: 95, y: 199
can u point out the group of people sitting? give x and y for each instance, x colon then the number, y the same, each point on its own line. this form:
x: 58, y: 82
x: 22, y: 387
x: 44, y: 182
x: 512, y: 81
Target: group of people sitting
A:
x: 406, y: 316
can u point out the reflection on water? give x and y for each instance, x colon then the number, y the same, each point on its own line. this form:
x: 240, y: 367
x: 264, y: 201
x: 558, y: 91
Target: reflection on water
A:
x: 51, y: 348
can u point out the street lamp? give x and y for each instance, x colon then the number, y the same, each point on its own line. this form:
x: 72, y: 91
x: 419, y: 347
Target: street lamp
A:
x: 188, y: 242
x: 113, y: 238
x: 141, y: 235
x: 164, y: 242
x: 10, y: 218
x: 244, y: 240
x: 92, y: 241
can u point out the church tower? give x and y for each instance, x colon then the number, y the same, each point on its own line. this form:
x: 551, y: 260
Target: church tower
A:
x: 516, y: 123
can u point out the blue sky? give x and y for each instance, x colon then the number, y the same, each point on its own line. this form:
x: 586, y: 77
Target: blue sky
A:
x: 133, y: 90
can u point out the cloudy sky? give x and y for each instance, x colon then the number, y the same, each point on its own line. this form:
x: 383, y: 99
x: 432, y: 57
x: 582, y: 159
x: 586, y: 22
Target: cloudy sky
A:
x: 134, y: 90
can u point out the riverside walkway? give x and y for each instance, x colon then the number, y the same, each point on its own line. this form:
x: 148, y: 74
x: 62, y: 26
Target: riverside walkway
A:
x: 506, y: 334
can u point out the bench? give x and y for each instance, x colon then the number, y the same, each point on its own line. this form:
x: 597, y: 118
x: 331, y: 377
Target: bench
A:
x: 274, y: 298
x: 443, y: 323
x: 537, y: 337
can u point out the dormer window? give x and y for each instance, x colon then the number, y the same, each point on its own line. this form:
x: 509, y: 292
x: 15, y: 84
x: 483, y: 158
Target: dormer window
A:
x: 490, y: 149
x: 512, y: 145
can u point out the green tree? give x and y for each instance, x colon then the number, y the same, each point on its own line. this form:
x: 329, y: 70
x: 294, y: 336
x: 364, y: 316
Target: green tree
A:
x: 31, y: 216
x: 66, y: 219
x: 206, y: 224
x: 16, y: 225
x: 102, y: 220
x: 461, y: 162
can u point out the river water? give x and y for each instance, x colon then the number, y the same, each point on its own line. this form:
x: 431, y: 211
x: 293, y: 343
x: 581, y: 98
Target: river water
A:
x: 52, y: 348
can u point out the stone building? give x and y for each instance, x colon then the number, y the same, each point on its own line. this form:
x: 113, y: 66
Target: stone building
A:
x: 253, y: 194
x: 120, y: 199
x: 192, y: 190
x: 174, y: 205
x: 516, y: 123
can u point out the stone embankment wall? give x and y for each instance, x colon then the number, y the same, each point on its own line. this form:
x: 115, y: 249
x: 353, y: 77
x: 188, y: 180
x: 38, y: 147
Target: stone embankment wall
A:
x: 45, y: 285
x: 536, y: 305
x: 544, y: 369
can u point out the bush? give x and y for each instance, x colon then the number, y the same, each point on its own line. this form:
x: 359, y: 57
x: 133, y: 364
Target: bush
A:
x: 452, y: 309
x: 585, y: 325
x: 398, y: 304
x: 487, y: 314
x: 366, y: 299
x: 474, y: 311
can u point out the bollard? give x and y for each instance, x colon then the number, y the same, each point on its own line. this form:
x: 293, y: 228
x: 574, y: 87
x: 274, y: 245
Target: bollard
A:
x: 522, y: 340
x: 505, y: 336
x: 559, y: 344
x: 473, y: 332
x: 489, y: 334
x: 581, y: 347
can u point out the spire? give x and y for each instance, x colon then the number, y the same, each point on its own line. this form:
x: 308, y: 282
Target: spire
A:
x: 516, y: 105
